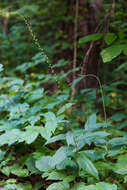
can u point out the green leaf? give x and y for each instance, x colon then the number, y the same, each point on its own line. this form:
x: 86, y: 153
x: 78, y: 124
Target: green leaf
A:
x: 11, y: 181
x: 59, y: 186
x: 46, y: 134
x: 70, y: 138
x: 60, y: 63
x: 91, y: 122
x: 34, y: 119
x: 76, y: 81
x: 92, y: 137
x: 125, y: 50
x: 23, y: 186
x: 105, y: 186
x: 16, y: 170
x: 30, y: 163
x: 121, y: 165
x: 85, y: 164
x: 59, y: 175
x: 51, y: 122
x: 110, y: 53
x: 29, y: 135
x: 20, y: 172
x: 56, y: 138
x: 44, y: 163
x: 39, y: 58
x: 118, y: 141
x: 125, y: 179
x: 59, y: 156
x: 2, y: 154
x: 95, y: 155
x: 122, y: 35
x: 91, y: 37
x: 18, y: 109
x: 1, y: 67
x: 35, y: 95
x: 122, y: 66
x: 65, y: 107
x: 10, y: 137
x: 118, y: 117
x: 79, y: 186
x: 98, y: 186
x: 110, y: 38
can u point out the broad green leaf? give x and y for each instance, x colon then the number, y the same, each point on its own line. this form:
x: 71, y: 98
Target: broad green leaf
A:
x: 16, y: 170
x: 59, y: 186
x: 95, y: 155
x: 76, y: 81
x: 18, y: 109
x: 10, y: 137
x: 23, y: 186
x: 122, y: 35
x: 125, y: 50
x: 46, y: 134
x: 121, y: 165
x: 1, y: 67
x: 51, y: 122
x: 20, y: 172
x: 56, y: 138
x: 122, y: 66
x: 113, y: 152
x: 6, y: 170
x: 110, y: 38
x: 105, y: 186
x: 34, y: 119
x: 59, y: 156
x: 92, y: 137
x: 29, y: 136
x: 2, y: 154
x: 39, y: 58
x: 30, y: 163
x: 104, y: 166
x: 44, y: 163
x: 90, y: 37
x: 118, y: 141
x: 68, y: 162
x: 60, y: 63
x: 11, y: 187
x: 125, y: 179
x: 98, y: 186
x: 91, y: 122
x: 110, y: 53
x: 89, y: 187
x: 118, y: 117
x: 35, y: 95
x: 65, y: 107
x: 70, y: 138
x: 59, y: 175
x: 11, y: 181
x: 85, y: 164
x: 79, y: 186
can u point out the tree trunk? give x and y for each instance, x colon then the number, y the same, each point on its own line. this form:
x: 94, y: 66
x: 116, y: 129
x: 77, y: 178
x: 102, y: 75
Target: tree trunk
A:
x: 89, y: 24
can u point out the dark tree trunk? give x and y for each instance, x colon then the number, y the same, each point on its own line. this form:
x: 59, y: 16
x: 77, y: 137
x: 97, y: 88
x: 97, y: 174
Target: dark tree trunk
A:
x: 89, y: 24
